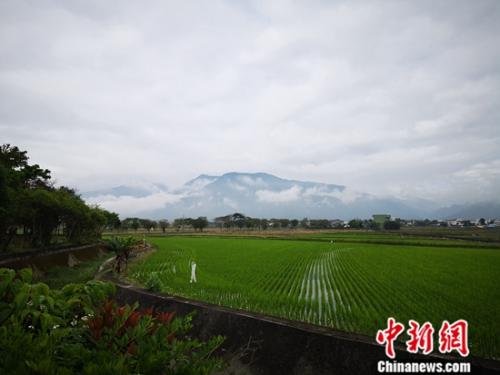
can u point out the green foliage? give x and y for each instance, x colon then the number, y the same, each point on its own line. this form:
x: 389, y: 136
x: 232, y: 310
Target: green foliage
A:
x: 122, y: 247
x: 79, y: 330
x: 355, y: 224
x: 59, y: 276
x: 238, y: 220
x: 153, y: 283
x: 373, y: 225
x: 136, y: 223
x: 29, y: 201
x: 112, y: 220
x: 199, y: 223
x: 392, y: 225
x: 163, y: 225
x: 319, y: 224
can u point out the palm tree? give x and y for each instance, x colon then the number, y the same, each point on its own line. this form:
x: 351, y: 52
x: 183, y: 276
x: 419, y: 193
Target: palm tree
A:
x: 121, y: 246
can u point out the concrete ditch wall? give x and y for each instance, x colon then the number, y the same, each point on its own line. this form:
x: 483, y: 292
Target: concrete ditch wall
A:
x: 258, y: 344
x: 43, y: 260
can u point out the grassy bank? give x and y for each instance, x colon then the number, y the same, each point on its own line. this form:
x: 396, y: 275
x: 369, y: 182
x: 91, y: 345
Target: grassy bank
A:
x: 57, y: 277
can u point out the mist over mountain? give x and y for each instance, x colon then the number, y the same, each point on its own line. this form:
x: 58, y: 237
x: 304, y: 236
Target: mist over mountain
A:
x: 136, y: 191
x: 264, y: 195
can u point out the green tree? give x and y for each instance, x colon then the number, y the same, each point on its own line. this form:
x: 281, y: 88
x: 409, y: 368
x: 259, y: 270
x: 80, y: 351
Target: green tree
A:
x: 28, y: 200
x: 264, y: 224
x: 392, y: 225
x: 147, y: 224
x: 135, y: 224
x: 304, y: 223
x: 238, y: 219
x: 320, y: 224
x: 275, y: 223
x: 355, y: 223
x: 112, y: 220
x: 284, y: 223
x: 121, y: 246
x: 163, y: 225
x: 178, y: 223
x: 200, y: 223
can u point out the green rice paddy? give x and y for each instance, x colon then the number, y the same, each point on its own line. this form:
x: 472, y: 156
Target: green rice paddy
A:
x: 350, y: 284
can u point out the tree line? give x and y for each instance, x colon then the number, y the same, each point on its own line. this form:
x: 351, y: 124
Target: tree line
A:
x: 239, y: 220
x: 136, y: 223
x: 33, y: 211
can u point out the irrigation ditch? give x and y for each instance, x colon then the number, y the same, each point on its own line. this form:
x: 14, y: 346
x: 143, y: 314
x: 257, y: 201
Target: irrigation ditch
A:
x: 40, y: 260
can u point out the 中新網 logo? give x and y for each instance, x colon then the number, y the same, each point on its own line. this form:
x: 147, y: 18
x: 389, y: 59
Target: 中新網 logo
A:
x: 451, y: 337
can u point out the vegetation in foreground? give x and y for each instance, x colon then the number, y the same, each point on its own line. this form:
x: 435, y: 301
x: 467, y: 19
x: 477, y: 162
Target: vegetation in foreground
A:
x: 350, y: 286
x: 79, y: 330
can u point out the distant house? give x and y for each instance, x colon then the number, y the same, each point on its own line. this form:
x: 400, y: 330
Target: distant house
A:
x: 381, y: 218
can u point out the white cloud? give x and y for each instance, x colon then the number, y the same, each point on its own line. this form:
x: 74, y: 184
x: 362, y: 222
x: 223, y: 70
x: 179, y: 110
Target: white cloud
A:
x: 128, y: 205
x: 231, y: 203
x: 382, y: 97
x: 199, y: 183
x: 254, y: 182
x: 345, y: 195
x: 281, y: 196
x: 237, y: 187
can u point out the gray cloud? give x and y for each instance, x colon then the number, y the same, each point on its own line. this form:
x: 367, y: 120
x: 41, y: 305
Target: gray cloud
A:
x: 395, y: 98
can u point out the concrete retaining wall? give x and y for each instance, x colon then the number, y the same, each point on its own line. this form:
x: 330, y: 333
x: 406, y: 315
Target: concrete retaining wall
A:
x: 265, y: 345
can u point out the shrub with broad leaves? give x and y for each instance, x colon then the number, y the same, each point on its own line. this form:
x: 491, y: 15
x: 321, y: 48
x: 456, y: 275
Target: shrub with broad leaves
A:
x: 81, y: 330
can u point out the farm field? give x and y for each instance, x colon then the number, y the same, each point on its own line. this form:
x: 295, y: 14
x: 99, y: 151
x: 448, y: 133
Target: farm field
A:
x: 402, y: 239
x: 350, y: 285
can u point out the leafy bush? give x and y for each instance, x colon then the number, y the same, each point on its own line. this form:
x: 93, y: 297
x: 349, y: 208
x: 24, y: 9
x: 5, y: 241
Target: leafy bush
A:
x: 80, y: 330
x: 153, y: 283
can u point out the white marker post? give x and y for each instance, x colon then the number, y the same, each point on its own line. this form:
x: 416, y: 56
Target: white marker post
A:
x: 193, y: 272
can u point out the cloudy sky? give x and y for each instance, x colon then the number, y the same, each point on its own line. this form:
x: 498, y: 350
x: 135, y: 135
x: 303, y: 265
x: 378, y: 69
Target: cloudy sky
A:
x: 394, y: 98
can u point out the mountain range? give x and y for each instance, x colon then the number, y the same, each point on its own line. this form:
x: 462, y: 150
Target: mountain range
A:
x: 264, y: 195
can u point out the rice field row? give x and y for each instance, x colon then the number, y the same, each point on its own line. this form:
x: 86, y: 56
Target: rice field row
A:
x: 347, y: 286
